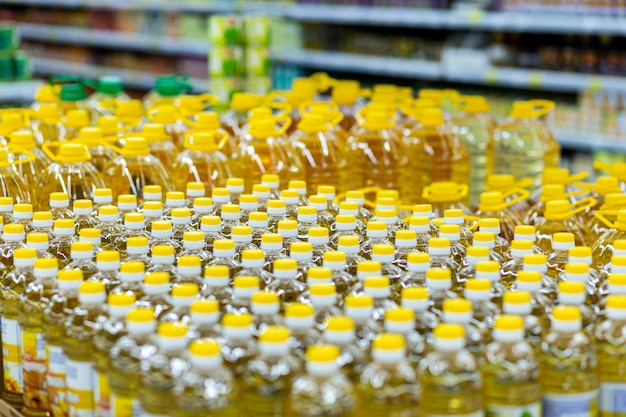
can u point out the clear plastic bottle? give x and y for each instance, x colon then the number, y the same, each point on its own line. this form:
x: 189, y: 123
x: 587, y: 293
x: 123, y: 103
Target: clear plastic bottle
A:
x: 131, y: 278
x: 265, y: 308
x: 341, y: 332
x: 610, y: 350
x: 267, y: 380
x: 81, y: 257
x: 60, y: 206
x: 77, y: 341
x: 156, y: 289
x: 452, y: 232
x: 160, y: 371
x: 300, y: 320
x: 520, y: 303
x: 195, y: 245
x: 272, y: 245
x: 263, y: 194
x: 162, y: 259
x: 26, y: 157
x: 224, y: 252
x: 249, y: 203
x: 210, y: 226
x: 568, y: 366
x: 307, y: 218
x: 523, y: 145
x: 558, y: 256
x: 322, y: 375
x: 415, y: 276
x: 108, y: 264
x: 511, y: 371
x: 350, y: 245
x: 243, y: 289
x: 181, y: 222
x: 191, y: 399
x: 364, y: 270
x: 490, y: 271
x: 442, y: 195
x: 118, y: 306
x: 345, y: 225
x: 61, y: 244
x: 276, y: 211
x: 543, y: 296
x: 389, y: 385
x: 13, y: 238
x: 134, y: 226
x: 109, y: 227
x: 37, y: 295
x: 594, y: 289
x: 181, y: 297
x: 202, y: 206
x: 401, y: 321
x: 71, y: 172
x: 510, y: 268
x: 449, y: 376
x: 302, y: 252
x: 460, y: 311
x: 537, y: 263
x: 573, y: 294
x: 286, y: 284
x: 475, y: 254
x: 376, y: 234
x: 441, y: 257
x: 559, y: 218
x: 416, y: 299
x: 242, y: 235
x: 126, y: 357
x: 252, y: 261
x: 406, y: 244
x: 160, y: 143
x: 439, y: 286
x: 336, y: 262
x: 205, y: 318
x: 289, y: 231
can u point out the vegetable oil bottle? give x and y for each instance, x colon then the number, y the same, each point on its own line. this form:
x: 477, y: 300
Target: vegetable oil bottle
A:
x: 559, y: 256
x: 252, y: 261
x: 13, y: 236
x: 523, y: 146
x: 493, y: 205
x: 286, y: 284
x: 238, y: 346
x: 417, y: 265
x: 457, y: 217
x: 610, y: 347
x: 475, y: 128
x: 457, y: 390
x: 442, y: 195
x: 77, y: 341
x: 416, y: 299
x: 520, y: 303
x: 265, y: 309
x: 549, y: 192
x: 460, y: 311
x: 537, y: 263
x: 181, y: 297
x: 452, y: 232
x: 490, y: 270
x: 350, y: 246
x: 108, y: 264
x: 13, y: 183
x: 160, y: 143
x: 156, y: 287
x: 300, y: 320
x: 81, y: 255
x: 321, y: 203
x: 159, y: 371
x: 60, y: 206
x: 224, y: 252
x: 598, y: 225
x: 374, y: 153
x: 511, y: 371
x: 439, y: 285
x: 475, y: 254
x: 64, y: 300
x: 501, y: 244
x: 13, y: 285
x: 71, y: 172
x: 559, y: 218
x: 568, y: 366
x: 268, y: 376
x: 406, y: 244
x: 201, y: 161
x: 134, y: 168
x: 441, y: 257
x: 207, y: 369
x: 401, y: 321
x: 389, y: 374
x: 92, y: 138
x: 341, y: 332
x: 484, y: 311
x: 323, y: 374
x: 336, y: 262
x: 118, y: 306
x: 320, y: 153
x: 126, y: 357
x: 439, y: 154
x: 574, y: 294
x: 28, y: 159
x: 604, y: 247
x: 510, y: 268
x: 33, y: 301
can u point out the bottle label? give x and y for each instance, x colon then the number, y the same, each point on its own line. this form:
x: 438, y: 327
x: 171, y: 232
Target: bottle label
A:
x: 12, y: 356
x: 56, y: 380
x: 580, y: 404
x: 102, y: 395
x: 80, y: 387
x: 124, y: 406
x: 528, y: 410
x: 613, y: 399
x: 34, y: 370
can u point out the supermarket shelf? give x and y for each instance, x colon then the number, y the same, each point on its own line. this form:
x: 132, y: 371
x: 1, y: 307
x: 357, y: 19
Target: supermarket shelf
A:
x: 130, y: 78
x: 345, y: 62
x: 18, y: 91
x: 414, y: 68
x: 543, y: 22
x: 589, y: 141
x: 113, y: 40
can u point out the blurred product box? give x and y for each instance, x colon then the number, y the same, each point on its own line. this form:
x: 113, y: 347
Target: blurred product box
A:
x: 257, y: 30
x: 258, y: 62
x: 227, y: 62
x: 224, y: 88
x: 258, y: 85
x: 225, y: 30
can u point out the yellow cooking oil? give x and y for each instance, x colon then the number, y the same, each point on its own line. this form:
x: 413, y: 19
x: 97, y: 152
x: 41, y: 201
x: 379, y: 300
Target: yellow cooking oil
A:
x: 160, y: 371
x: 569, y: 378
x: 604, y: 247
x: 267, y: 380
x: 77, y: 342
x: 559, y: 217
x: 36, y: 297
x: 320, y: 153
x: 71, y: 172
x: 29, y: 160
x: 12, y: 182
x: 600, y: 224
x: 126, y: 356
x: 63, y: 300
x: 118, y: 306
x: 93, y: 139
x: 442, y: 196
x: 523, y: 146
x: 373, y: 153
x: 494, y: 205
x: 12, y: 285
x: 511, y: 371
x: 611, y: 357
x: 506, y: 184
x: 160, y: 143
x: 45, y: 122
x: 450, y: 379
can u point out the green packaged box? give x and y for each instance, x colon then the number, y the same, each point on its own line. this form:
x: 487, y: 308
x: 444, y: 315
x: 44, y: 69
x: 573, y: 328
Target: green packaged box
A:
x: 9, y: 39
x: 225, y: 31
x: 257, y: 30
x: 224, y: 87
x: 22, y: 68
x: 226, y: 62
x: 258, y: 61
x: 6, y: 66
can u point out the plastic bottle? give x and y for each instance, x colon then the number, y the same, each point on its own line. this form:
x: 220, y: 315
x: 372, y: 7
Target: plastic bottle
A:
x: 401, y: 321
x: 235, y: 118
x: 71, y: 172
x: 171, y: 117
x: 475, y: 127
x: 243, y: 289
x: 569, y: 380
x: 441, y: 196
x: 126, y: 357
x: 549, y: 192
x: 33, y: 301
x: 322, y: 375
x: 490, y: 270
x: 452, y: 232
x: 268, y: 376
x: 520, y: 303
x: 201, y: 161
x: 262, y: 192
x: 439, y: 285
x: 181, y: 298
x: 209, y: 122
x: 265, y: 308
x: 523, y: 146
x: 441, y: 257
x: 160, y: 371
x: 13, y: 236
x: 272, y: 245
x: 13, y: 183
x: 81, y: 255
x: 60, y: 206
x: 385, y: 254
x: 321, y: 155
x: 350, y: 246
x: 262, y: 151
x: 73, y: 121
x: 346, y: 225
x: 573, y: 294
x: 559, y: 218
x: 118, y: 306
x: 77, y: 341
x: 438, y: 154
x: 595, y: 286
x: 300, y: 320
x: 340, y: 331
x: 478, y: 292
x: 610, y: 348
x: 26, y: 157
x: 416, y: 299
x: 325, y: 218
x: 207, y: 369
x: 286, y: 284
x: 605, y: 246
x: 449, y: 376
x: 372, y: 142
x: 460, y: 311
x: 156, y: 287
x: 108, y: 264
x: 252, y: 261
x: 417, y: 265
x: 511, y: 372
x: 559, y: 256
x: 336, y: 262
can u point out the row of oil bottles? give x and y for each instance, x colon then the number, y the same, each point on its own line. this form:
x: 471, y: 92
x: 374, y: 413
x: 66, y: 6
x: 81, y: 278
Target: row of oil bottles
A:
x: 74, y: 344
x: 322, y: 131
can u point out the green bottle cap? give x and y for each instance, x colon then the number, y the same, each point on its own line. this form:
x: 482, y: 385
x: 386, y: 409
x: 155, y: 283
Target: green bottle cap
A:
x: 170, y: 85
x: 72, y: 92
x: 109, y: 84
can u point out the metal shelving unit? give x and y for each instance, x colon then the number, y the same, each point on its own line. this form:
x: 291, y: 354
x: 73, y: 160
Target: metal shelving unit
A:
x: 18, y: 91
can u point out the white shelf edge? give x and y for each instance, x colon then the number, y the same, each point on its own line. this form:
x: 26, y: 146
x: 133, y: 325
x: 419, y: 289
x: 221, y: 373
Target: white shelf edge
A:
x: 588, y: 141
x: 19, y: 91
x: 111, y: 39
x: 137, y: 79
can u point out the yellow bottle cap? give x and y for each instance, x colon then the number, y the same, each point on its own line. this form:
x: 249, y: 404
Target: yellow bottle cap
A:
x: 376, y: 282
x: 450, y: 229
x: 477, y: 284
x: 73, y: 274
x: 359, y: 301
x: 132, y: 267
x: 241, y: 231
x: 529, y: 276
x: 619, y: 244
x: 224, y: 244
x: 90, y: 287
x: 299, y: 310
x: 62, y: 197
x: 400, y: 314
x: 103, y: 211
x: 334, y: 256
x: 576, y: 268
x: 617, y: 302
x: 136, y: 146
x: 265, y: 297
x: 389, y: 341
x: 617, y: 279
x: 237, y: 320
x: 618, y: 260
x: 161, y: 225
x: 137, y: 242
x: 185, y: 290
x: 484, y: 237
x: 339, y: 324
x: 382, y: 249
x: 478, y: 251
x: 279, y: 204
x: 517, y: 297
x: 141, y: 315
x: 189, y: 261
x: 438, y: 274
x: 44, y: 215
x: 156, y: 278
x: 562, y: 237
x: 535, y: 259
x: 418, y: 258
x: 270, y: 238
x: 90, y: 233
x: 275, y: 334
x: 566, y: 313
x: 439, y: 242
x: 246, y: 281
x: 73, y: 153
x: 414, y: 293
x: 322, y: 353
x: 369, y: 266
x: 205, y: 348
x: 319, y: 273
x: 449, y: 331
x: 25, y: 253
x: 231, y: 208
x: 81, y: 247
x: 457, y: 305
x: 121, y: 299
x: 348, y: 241
x: 318, y: 232
x: 252, y: 255
x: 28, y: 208
x: 307, y: 211
x: 376, y: 225
x: 182, y: 213
x: 13, y: 229
x: 172, y: 329
x: 193, y: 236
x: 323, y: 290
x: 488, y: 266
x: 257, y: 216
x: 287, y: 225
x: 522, y: 245
x: 46, y: 263
x: 204, y: 307
x: 108, y: 256
x: 285, y: 264
x: 211, y: 221
x: 571, y: 287
x: 509, y: 322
